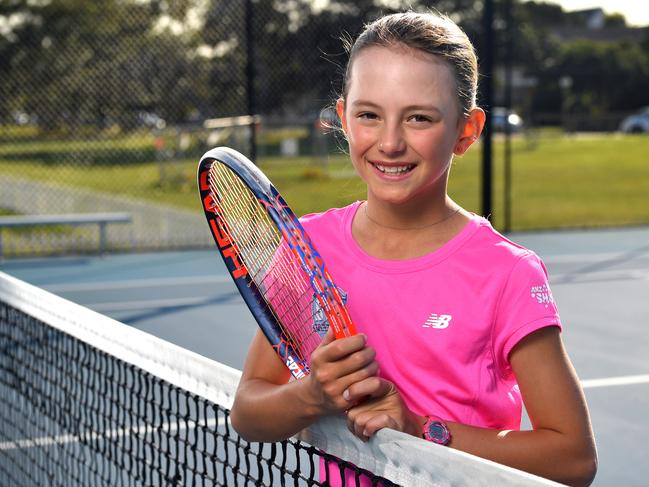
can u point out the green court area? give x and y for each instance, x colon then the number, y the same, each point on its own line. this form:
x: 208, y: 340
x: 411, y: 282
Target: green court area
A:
x: 558, y: 181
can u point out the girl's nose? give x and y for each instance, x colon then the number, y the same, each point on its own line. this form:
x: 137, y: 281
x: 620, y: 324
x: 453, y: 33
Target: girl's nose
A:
x: 391, y: 140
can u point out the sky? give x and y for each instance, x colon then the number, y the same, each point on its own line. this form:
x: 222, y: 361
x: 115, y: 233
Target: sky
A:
x: 636, y: 12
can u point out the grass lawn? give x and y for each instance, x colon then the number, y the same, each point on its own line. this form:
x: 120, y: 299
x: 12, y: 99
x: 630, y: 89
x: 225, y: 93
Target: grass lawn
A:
x: 557, y: 181
x: 579, y: 181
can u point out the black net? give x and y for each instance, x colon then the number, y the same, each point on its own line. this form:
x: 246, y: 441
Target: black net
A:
x: 72, y: 414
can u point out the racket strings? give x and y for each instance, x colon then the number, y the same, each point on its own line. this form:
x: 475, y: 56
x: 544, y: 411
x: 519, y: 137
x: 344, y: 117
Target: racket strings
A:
x: 255, y: 237
x: 267, y: 257
x: 281, y: 291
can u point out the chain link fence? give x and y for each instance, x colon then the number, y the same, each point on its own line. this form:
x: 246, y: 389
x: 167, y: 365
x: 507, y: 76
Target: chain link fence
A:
x: 108, y: 105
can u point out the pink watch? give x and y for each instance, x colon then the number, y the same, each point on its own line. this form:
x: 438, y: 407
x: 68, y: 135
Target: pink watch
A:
x: 436, y: 431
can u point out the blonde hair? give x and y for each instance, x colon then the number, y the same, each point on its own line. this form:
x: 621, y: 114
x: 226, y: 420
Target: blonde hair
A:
x: 431, y: 33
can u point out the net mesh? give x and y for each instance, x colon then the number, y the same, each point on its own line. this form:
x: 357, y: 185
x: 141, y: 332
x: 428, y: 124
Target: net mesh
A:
x: 271, y: 264
x: 86, y: 400
x: 73, y: 414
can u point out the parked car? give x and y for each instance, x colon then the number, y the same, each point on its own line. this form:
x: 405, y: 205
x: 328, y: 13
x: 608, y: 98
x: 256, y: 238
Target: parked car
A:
x: 637, y: 123
x: 151, y: 120
x: 500, y: 118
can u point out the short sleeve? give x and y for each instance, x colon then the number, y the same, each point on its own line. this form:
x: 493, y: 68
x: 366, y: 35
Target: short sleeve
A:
x: 526, y: 305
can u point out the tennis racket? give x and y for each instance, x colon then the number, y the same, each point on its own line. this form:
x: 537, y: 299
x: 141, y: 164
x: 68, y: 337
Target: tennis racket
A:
x: 279, y: 273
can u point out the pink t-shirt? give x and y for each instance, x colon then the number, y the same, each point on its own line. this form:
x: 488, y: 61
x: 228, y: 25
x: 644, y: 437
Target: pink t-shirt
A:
x: 443, y: 325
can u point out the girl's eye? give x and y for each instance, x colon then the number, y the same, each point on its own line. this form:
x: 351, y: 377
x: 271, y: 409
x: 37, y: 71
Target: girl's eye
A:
x: 420, y: 118
x: 367, y: 116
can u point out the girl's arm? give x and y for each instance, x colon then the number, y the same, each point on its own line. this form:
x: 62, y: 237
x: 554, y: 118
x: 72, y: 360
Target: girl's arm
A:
x: 267, y: 407
x: 561, y: 445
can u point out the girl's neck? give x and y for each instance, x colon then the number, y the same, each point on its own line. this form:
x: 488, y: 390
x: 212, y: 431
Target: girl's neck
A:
x: 412, y: 216
x: 406, y: 236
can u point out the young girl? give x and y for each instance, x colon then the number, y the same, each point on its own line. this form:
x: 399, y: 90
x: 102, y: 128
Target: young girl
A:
x: 457, y: 324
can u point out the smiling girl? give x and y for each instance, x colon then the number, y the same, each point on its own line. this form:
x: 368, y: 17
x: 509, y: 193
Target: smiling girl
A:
x: 458, y: 328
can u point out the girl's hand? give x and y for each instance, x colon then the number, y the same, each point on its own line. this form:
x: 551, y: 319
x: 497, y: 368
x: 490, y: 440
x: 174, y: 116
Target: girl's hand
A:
x: 382, y: 408
x: 335, y: 366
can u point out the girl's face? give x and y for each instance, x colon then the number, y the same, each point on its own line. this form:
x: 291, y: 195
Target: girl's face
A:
x: 403, y: 123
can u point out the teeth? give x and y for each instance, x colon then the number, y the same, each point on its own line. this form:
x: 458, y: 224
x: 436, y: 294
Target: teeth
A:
x: 394, y: 169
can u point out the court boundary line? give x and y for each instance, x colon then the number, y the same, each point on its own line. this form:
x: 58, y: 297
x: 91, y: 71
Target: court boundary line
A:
x: 623, y: 380
x: 134, y: 283
x: 83, y: 436
x: 116, y: 306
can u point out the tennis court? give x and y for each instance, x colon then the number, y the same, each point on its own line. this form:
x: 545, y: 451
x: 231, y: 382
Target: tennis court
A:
x: 599, y: 278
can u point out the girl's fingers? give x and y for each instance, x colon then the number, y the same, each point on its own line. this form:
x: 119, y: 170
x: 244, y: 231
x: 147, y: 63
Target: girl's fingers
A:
x: 334, y: 379
x: 327, y: 338
x: 375, y: 423
x: 370, y: 387
x: 365, y: 424
x: 337, y: 360
x: 335, y: 365
x: 331, y: 350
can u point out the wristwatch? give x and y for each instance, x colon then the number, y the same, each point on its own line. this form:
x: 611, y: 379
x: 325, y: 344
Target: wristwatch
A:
x: 436, y: 431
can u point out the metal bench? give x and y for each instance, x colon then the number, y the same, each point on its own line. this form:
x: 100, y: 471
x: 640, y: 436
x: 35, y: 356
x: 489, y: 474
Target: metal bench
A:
x: 71, y: 219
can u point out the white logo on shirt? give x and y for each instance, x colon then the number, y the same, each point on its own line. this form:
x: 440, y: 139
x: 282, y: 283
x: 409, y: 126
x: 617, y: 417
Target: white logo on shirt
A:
x: 542, y: 294
x: 437, y: 321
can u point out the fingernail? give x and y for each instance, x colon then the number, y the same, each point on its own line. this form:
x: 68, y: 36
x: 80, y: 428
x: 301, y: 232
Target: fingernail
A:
x: 346, y: 394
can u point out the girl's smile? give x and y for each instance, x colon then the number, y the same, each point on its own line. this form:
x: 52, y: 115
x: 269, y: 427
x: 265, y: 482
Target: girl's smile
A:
x: 392, y: 169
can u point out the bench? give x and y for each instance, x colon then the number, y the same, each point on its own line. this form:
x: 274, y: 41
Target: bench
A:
x: 71, y: 219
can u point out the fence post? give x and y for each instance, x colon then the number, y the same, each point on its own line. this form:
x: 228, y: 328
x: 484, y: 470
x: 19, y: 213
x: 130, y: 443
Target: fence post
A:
x: 250, y: 77
x: 487, y: 60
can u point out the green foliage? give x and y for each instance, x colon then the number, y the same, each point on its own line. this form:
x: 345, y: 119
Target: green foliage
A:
x: 615, y: 20
x: 77, y: 63
x: 71, y: 64
x: 558, y: 181
x: 605, y: 76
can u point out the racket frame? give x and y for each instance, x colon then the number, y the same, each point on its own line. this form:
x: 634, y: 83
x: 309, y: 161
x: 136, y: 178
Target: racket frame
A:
x: 294, y: 235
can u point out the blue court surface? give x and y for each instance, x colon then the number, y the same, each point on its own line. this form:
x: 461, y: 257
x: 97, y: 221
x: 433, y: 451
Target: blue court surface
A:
x: 599, y: 278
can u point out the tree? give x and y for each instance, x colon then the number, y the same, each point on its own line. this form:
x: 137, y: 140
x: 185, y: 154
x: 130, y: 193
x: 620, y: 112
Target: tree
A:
x: 78, y: 63
x: 605, y: 77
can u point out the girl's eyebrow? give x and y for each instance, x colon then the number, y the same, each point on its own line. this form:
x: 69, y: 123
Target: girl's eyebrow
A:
x: 364, y: 103
x: 409, y: 108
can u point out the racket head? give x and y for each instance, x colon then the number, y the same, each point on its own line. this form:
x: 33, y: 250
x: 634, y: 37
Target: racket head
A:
x: 279, y: 273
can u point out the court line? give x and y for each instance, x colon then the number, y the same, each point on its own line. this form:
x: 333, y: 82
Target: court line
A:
x: 136, y: 283
x: 615, y: 381
x: 145, y: 429
x: 601, y: 276
x: 576, y: 258
x: 156, y: 303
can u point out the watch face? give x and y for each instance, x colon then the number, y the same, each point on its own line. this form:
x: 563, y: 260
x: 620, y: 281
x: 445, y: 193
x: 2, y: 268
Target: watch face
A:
x: 438, y: 433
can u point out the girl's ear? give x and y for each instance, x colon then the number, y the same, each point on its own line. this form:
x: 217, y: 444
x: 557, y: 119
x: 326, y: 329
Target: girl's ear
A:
x: 470, y: 131
x: 340, y: 110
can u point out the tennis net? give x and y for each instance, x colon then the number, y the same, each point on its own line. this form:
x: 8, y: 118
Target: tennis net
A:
x: 86, y: 400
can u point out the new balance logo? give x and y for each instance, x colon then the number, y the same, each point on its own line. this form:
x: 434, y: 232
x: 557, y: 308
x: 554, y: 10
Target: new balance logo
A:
x: 437, y: 321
